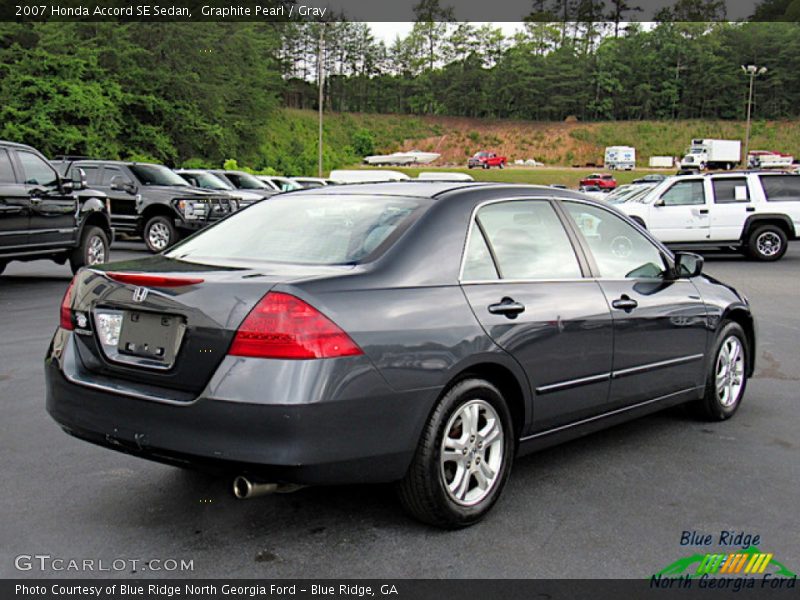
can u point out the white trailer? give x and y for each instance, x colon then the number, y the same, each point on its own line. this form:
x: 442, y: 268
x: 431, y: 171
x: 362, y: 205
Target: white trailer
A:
x: 709, y: 154
x: 661, y: 162
x: 622, y: 158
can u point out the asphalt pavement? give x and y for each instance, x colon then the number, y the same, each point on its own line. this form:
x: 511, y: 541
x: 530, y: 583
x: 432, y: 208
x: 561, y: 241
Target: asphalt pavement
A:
x: 611, y: 505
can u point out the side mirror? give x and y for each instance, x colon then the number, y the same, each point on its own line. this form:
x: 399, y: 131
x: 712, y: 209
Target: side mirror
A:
x: 78, y: 179
x: 121, y: 185
x: 688, y: 264
x: 659, y: 202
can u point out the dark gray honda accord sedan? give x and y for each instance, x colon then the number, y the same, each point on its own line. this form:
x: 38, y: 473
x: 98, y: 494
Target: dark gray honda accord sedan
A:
x: 418, y: 332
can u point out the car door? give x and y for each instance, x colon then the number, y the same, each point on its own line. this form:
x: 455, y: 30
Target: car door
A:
x: 526, y: 285
x: 14, y: 207
x: 731, y: 205
x: 119, y: 185
x: 680, y: 213
x: 660, y: 321
x: 52, y: 211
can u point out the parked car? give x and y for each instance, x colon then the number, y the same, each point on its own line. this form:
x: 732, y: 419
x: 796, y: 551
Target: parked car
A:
x: 601, y: 180
x: 152, y: 201
x: 593, y: 191
x: 44, y: 215
x: 312, y: 182
x: 278, y: 183
x: 241, y: 180
x: 486, y: 160
x: 757, y: 213
x: 208, y: 181
x: 625, y: 193
x: 418, y: 332
x: 651, y: 178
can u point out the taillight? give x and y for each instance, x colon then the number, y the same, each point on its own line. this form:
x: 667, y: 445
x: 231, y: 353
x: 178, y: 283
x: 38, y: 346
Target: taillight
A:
x: 66, y: 308
x: 145, y: 279
x: 283, y: 326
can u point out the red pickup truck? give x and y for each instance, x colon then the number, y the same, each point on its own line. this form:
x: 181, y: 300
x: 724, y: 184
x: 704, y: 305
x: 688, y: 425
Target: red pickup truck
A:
x: 601, y: 180
x: 486, y: 160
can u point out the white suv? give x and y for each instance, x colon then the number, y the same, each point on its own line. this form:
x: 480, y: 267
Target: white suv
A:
x: 754, y: 212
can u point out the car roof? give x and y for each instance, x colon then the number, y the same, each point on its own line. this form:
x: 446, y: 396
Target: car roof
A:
x: 416, y: 188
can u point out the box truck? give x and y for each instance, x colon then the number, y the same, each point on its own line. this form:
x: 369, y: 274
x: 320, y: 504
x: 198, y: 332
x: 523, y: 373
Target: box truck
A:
x: 712, y: 154
x: 622, y: 158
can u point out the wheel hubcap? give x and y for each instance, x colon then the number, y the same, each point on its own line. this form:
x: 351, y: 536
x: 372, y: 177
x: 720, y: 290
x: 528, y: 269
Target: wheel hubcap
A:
x: 768, y: 243
x: 472, y: 452
x: 95, y: 251
x: 730, y: 371
x: 158, y: 236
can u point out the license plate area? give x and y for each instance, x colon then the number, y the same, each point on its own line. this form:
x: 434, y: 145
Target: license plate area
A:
x: 138, y: 338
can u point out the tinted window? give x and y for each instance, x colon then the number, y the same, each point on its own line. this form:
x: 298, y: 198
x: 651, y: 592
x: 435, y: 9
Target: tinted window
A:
x: 529, y: 241
x: 157, y: 175
x: 92, y: 174
x: 781, y: 187
x: 684, y: 193
x: 318, y: 230
x: 36, y: 171
x: 725, y: 190
x: 6, y: 172
x: 244, y: 181
x: 620, y: 251
x: 478, y: 263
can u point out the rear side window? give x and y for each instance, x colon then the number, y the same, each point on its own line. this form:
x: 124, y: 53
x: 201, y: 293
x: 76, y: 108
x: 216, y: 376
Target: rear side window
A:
x: 778, y: 188
x: 684, y: 193
x: 6, y: 172
x: 92, y: 174
x: 36, y: 171
x: 725, y: 190
x: 478, y: 262
x: 528, y: 241
x: 312, y: 230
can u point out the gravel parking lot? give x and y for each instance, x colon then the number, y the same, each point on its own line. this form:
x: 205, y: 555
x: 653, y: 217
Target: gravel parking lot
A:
x: 613, y: 504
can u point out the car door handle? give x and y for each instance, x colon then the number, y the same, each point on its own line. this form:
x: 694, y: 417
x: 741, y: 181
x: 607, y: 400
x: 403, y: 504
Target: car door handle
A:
x: 508, y: 307
x: 703, y: 211
x: 625, y: 303
x: 751, y: 209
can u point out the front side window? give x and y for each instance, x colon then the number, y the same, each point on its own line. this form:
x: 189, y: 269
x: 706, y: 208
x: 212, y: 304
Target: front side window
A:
x: 528, y: 241
x: 110, y: 172
x: 619, y: 250
x: 684, y: 193
x: 92, y: 174
x: 730, y: 189
x: 6, y: 172
x: 244, y: 181
x: 157, y: 175
x: 778, y: 188
x: 36, y: 171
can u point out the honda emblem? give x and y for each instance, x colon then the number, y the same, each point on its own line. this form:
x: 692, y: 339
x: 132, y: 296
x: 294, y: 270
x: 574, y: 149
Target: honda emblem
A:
x: 140, y: 294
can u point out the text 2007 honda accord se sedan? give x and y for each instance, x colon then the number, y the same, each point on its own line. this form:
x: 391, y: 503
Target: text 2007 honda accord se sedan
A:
x: 418, y: 332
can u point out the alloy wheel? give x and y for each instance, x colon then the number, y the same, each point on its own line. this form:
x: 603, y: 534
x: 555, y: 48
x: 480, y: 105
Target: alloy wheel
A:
x: 158, y: 235
x: 730, y: 371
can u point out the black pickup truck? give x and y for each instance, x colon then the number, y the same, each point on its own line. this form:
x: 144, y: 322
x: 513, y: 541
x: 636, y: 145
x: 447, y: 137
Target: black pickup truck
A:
x: 43, y: 215
x: 152, y: 201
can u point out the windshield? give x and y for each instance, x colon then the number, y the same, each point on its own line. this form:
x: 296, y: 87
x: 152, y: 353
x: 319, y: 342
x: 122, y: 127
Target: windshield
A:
x: 244, y: 181
x: 207, y: 181
x: 157, y: 175
x: 312, y: 230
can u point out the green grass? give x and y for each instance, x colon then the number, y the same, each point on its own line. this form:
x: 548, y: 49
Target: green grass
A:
x: 538, y: 176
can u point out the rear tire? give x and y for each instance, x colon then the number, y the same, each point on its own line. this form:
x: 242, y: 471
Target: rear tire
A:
x: 502, y: 165
x: 159, y: 234
x: 767, y: 243
x: 94, y: 249
x: 727, y: 375
x: 463, y: 458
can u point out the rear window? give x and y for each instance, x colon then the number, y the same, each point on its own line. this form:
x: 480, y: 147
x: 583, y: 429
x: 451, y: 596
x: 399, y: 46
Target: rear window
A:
x: 312, y: 230
x: 779, y: 188
x: 6, y: 172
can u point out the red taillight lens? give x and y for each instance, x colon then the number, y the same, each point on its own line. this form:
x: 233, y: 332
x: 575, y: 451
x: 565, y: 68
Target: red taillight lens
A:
x: 148, y: 280
x: 283, y: 326
x: 66, y: 307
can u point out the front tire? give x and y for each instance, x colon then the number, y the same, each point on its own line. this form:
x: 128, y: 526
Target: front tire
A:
x: 94, y: 249
x: 727, y: 376
x: 159, y: 234
x: 767, y: 243
x: 463, y: 458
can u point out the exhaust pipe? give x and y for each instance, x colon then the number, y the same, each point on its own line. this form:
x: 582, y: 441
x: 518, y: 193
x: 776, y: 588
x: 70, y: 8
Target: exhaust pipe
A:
x: 243, y: 488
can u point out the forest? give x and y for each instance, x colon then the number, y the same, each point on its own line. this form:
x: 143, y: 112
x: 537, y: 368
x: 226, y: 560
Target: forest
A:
x: 200, y: 93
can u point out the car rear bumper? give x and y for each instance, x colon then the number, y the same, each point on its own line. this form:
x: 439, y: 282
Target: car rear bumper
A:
x: 297, y: 429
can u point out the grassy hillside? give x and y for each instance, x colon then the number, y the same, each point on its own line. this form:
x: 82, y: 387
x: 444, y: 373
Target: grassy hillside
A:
x: 290, y: 145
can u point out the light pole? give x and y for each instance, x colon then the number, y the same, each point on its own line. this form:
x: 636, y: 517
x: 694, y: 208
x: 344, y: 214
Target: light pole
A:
x: 753, y: 71
x: 321, y: 82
